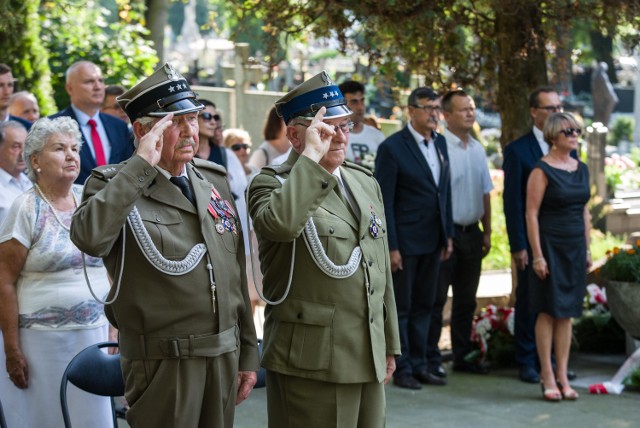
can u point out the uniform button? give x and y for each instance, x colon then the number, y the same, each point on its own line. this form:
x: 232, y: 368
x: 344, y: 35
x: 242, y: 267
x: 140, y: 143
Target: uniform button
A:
x: 157, y: 218
x: 140, y: 179
x: 147, y: 172
x: 325, y: 184
x: 370, y: 262
x: 331, y: 230
x: 371, y: 291
x: 300, y: 316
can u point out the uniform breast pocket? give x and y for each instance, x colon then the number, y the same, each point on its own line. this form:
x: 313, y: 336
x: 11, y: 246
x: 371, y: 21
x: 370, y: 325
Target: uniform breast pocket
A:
x: 165, y: 229
x: 334, y: 235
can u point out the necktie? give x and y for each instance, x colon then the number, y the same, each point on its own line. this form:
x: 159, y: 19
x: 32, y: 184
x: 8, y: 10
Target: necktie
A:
x: 426, y: 142
x: 184, y: 186
x: 97, y: 143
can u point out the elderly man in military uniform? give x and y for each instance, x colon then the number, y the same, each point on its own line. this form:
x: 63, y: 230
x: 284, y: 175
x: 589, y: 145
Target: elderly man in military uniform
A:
x: 167, y: 228
x: 331, y: 329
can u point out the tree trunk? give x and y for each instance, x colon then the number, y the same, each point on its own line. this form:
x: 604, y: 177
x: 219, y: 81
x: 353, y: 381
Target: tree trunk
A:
x: 521, y: 63
x: 156, y: 17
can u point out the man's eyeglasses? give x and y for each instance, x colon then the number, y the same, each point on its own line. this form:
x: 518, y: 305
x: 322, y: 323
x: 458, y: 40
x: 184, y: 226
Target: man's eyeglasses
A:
x: 239, y: 146
x: 570, y: 131
x: 428, y: 109
x: 551, y: 109
x: 345, y: 127
x: 208, y: 116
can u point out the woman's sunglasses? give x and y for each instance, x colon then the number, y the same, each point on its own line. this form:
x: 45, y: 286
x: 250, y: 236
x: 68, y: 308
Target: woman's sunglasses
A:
x: 208, y: 116
x: 239, y: 146
x: 570, y: 131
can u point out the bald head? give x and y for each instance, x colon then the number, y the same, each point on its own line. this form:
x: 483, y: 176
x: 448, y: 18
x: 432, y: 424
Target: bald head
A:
x: 85, y: 86
x: 24, y: 104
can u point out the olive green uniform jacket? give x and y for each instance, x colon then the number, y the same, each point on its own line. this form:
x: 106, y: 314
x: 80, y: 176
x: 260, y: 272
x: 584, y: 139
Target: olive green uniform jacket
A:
x: 153, y: 304
x: 334, y: 330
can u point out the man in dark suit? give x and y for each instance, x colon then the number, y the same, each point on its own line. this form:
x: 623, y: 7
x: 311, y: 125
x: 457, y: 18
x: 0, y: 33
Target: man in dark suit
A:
x: 520, y: 156
x: 7, y: 85
x: 106, y: 138
x: 412, y: 167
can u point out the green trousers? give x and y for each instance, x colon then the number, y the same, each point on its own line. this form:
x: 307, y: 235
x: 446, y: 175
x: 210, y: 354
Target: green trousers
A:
x: 294, y: 402
x: 181, y: 393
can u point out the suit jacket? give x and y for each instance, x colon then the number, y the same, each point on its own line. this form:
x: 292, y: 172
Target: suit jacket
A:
x: 418, y: 211
x: 152, y: 303
x: 25, y: 122
x: 520, y: 156
x: 328, y: 329
x: 119, y: 137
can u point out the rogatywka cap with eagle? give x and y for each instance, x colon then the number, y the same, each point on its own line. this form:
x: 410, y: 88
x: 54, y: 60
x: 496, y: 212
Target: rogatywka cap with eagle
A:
x: 307, y: 98
x: 165, y: 91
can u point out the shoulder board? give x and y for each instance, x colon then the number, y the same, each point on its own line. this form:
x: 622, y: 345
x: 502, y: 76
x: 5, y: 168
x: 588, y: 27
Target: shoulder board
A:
x: 210, y: 166
x: 106, y: 172
x: 358, y: 168
x: 277, y: 169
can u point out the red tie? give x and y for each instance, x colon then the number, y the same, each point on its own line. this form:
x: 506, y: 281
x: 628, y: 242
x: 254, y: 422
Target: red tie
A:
x: 97, y: 143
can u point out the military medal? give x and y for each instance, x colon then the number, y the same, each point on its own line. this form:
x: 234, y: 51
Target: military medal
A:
x: 223, y: 213
x: 374, y: 223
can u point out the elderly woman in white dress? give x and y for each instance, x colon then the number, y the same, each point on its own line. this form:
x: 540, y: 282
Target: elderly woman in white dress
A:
x: 47, y: 313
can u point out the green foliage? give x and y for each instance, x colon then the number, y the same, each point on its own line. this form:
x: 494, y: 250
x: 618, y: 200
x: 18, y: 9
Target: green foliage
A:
x: 623, y: 264
x: 622, y: 129
x: 499, y: 258
x: 73, y: 31
x: 23, y: 51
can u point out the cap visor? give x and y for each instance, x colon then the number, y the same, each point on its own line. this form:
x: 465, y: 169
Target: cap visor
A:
x: 184, y: 106
x: 333, y: 112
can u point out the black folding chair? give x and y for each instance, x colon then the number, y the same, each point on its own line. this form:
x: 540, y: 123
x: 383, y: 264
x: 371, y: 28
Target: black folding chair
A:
x: 3, y: 422
x: 94, y: 371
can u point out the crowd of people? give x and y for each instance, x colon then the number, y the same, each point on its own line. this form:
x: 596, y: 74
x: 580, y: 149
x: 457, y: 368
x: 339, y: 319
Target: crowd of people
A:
x: 183, y: 228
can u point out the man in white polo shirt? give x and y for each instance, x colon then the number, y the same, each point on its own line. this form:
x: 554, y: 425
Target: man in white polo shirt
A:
x: 470, y: 199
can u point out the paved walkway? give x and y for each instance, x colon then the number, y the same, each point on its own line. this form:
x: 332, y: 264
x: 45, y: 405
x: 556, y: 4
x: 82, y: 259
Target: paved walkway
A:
x: 494, y: 401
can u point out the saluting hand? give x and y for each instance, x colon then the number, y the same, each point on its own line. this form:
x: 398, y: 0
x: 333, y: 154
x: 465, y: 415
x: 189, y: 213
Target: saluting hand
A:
x: 150, y: 144
x: 318, y: 137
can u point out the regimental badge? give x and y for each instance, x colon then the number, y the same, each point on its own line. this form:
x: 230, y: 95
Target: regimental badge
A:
x: 172, y: 74
x: 223, y: 213
x: 326, y: 79
x: 374, y: 223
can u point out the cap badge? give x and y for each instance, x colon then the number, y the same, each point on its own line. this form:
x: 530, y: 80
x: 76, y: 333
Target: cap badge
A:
x: 172, y: 74
x: 326, y: 79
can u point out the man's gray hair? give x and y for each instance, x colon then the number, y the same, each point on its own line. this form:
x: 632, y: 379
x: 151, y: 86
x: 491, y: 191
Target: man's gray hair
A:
x: 147, y: 122
x: 41, y: 131
x: 9, y: 124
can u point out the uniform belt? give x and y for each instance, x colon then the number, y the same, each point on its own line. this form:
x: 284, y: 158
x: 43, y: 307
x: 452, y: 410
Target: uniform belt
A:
x: 140, y: 347
x: 466, y: 228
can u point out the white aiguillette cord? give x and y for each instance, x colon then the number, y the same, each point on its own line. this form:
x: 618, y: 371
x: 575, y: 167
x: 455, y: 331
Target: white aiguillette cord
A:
x: 314, y: 246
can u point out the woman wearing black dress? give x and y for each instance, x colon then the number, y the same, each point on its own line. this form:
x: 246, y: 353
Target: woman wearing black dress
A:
x: 558, y: 225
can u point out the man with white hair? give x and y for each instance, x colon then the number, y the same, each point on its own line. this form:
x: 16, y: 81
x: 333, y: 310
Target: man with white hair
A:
x: 13, y: 181
x: 166, y: 225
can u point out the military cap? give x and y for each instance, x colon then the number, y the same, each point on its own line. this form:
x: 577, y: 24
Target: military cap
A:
x: 164, y: 92
x: 307, y: 98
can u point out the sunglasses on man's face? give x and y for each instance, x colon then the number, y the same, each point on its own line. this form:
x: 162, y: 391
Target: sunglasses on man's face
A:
x: 239, y: 146
x: 208, y: 116
x: 570, y: 131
